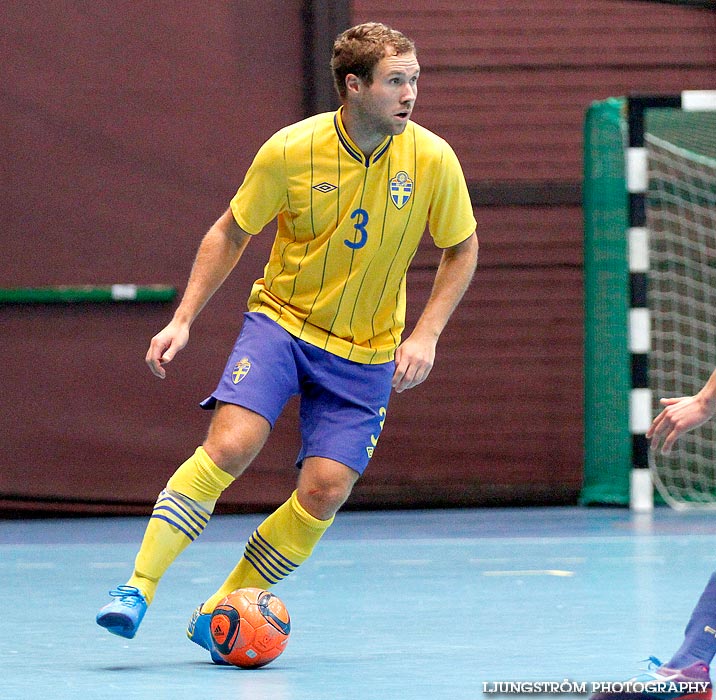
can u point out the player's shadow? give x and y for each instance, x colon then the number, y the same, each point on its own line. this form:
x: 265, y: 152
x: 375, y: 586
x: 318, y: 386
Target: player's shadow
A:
x: 154, y: 667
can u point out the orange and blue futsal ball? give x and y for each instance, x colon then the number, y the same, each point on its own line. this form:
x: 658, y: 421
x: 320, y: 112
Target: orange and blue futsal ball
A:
x: 250, y: 627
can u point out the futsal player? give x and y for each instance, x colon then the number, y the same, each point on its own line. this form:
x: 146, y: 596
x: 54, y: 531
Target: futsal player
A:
x: 692, y: 660
x: 352, y: 193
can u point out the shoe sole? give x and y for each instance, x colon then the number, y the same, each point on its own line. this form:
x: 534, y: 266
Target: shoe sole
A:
x: 117, y: 624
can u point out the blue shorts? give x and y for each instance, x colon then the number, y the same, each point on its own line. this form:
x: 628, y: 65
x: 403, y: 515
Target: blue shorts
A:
x: 343, y: 403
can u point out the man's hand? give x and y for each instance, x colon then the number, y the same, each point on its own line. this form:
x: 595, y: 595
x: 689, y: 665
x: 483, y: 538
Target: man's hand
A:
x: 413, y: 361
x: 165, y: 345
x: 415, y: 357
x: 680, y: 415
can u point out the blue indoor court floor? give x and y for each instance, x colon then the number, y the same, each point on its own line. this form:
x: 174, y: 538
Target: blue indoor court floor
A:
x: 404, y: 605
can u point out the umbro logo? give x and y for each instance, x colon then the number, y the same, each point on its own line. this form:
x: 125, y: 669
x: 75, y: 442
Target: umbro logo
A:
x: 325, y: 187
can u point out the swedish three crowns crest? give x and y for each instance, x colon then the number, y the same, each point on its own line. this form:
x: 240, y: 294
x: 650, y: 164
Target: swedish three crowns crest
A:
x: 241, y: 369
x: 401, y: 187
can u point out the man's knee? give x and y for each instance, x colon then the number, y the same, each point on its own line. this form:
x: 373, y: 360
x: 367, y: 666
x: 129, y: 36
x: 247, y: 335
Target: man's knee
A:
x: 236, y: 436
x: 323, y: 501
x: 324, y: 486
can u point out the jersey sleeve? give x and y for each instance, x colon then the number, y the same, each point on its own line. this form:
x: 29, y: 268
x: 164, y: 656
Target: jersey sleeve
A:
x: 262, y: 194
x: 451, y: 219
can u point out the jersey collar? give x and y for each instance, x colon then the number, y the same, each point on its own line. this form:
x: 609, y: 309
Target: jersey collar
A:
x: 352, y: 149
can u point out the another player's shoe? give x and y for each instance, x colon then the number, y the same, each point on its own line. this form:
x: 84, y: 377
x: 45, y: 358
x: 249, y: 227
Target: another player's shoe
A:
x: 124, y: 614
x: 199, y: 631
x: 661, y: 683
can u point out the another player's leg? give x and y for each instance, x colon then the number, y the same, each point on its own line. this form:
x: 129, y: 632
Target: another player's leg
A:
x: 661, y: 682
x: 182, y: 511
x: 699, y: 644
x: 689, y: 666
x: 284, y: 540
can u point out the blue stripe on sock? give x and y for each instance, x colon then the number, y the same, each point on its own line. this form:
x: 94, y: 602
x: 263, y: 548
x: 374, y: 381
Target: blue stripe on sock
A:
x: 268, y: 564
x: 167, y: 507
x: 193, y: 511
x: 268, y: 570
x: 278, y: 556
x: 198, y: 510
x: 259, y: 568
x: 268, y: 560
x: 159, y: 516
x: 177, y: 520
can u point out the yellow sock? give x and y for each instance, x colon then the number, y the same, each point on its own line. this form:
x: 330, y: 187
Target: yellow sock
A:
x: 180, y: 515
x: 277, y: 547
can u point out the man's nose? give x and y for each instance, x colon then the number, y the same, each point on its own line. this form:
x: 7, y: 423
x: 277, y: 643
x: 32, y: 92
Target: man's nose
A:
x: 410, y: 92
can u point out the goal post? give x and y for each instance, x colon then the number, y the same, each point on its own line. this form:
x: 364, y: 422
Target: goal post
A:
x: 661, y: 295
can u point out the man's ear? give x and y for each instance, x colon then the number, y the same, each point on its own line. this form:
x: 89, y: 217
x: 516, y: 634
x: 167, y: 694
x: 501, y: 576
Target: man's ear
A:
x: 353, y: 83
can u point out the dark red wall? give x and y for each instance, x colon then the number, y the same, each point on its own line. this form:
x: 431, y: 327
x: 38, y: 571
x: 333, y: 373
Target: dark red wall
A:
x: 126, y: 134
x: 507, y: 81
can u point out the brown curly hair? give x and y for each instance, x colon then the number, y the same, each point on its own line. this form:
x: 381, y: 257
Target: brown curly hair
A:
x: 358, y: 50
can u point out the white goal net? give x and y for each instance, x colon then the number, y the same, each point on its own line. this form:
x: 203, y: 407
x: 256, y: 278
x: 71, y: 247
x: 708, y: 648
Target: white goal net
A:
x: 681, y: 221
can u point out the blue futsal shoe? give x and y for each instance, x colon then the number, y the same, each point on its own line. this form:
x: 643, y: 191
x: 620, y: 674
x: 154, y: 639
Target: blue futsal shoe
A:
x: 125, y: 613
x: 199, y: 631
x: 659, y: 682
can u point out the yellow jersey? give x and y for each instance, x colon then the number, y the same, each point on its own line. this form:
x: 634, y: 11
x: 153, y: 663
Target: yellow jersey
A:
x: 348, y: 228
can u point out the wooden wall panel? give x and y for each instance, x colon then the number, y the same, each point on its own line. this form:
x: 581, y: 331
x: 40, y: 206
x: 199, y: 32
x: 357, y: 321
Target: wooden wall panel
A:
x: 499, y: 419
x: 527, y: 126
x: 521, y: 236
x: 124, y: 136
x: 127, y: 132
x: 507, y: 82
x: 519, y: 34
x: 87, y: 429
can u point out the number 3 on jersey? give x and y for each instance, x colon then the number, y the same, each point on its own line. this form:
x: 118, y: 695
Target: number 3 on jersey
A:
x: 361, y: 217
